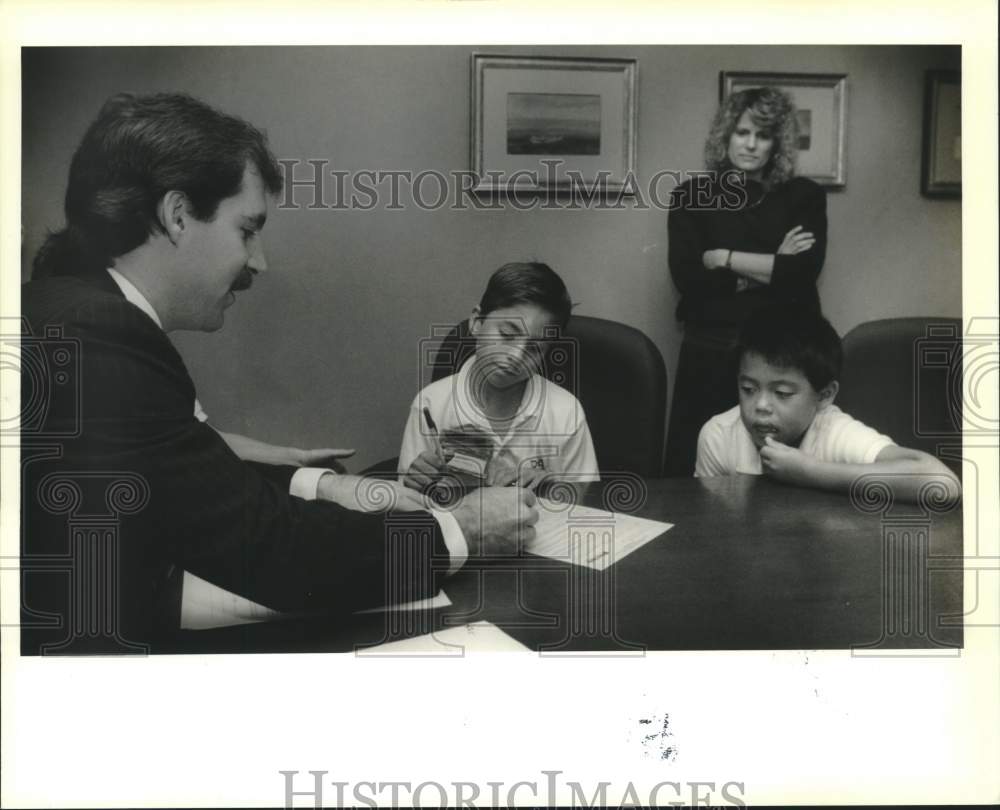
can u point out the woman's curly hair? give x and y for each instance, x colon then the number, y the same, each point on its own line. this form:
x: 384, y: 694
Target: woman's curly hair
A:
x: 771, y: 109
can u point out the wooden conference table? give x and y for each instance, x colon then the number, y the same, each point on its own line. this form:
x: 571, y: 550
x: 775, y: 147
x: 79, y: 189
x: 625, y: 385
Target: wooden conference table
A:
x: 749, y: 564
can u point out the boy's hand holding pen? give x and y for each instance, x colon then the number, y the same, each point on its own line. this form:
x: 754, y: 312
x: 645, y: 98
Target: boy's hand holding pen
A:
x: 428, y: 468
x: 497, y: 521
x: 503, y: 470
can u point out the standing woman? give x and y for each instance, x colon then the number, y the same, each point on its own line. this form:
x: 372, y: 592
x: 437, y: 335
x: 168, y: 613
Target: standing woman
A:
x: 743, y: 234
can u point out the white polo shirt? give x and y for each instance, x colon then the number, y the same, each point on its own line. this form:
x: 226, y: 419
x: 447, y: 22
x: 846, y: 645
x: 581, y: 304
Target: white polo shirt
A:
x: 725, y: 445
x: 549, y: 431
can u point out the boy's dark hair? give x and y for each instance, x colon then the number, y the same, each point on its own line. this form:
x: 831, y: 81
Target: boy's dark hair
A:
x: 138, y: 149
x: 527, y: 283
x: 793, y: 339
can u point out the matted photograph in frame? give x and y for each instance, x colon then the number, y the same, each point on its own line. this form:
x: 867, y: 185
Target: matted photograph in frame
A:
x: 549, y: 123
x: 821, y: 107
x: 941, y: 167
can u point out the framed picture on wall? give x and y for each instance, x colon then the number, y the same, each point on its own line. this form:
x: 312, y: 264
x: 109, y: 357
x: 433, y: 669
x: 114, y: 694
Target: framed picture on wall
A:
x: 821, y: 105
x: 548, y: 123
x: 941, y: 166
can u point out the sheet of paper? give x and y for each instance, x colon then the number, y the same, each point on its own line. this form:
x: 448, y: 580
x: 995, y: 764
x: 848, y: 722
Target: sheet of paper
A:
x: 205, y: 606
x: 592, y: 537
x: 455, y: 641
x: 439, y: 600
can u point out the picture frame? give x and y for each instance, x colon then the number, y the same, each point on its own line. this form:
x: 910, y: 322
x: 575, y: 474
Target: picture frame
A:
x: 821, y: 102
x: 941, y: 158
x: 552, y: 124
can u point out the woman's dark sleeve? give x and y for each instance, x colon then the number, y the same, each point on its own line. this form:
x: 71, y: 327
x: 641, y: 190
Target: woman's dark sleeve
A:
x: 802, y: 269
x: 684, y: 252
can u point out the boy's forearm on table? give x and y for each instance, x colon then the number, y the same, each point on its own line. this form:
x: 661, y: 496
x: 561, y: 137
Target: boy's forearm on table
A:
x: 907, y: 477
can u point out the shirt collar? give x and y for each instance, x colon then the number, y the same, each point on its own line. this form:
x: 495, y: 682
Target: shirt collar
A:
x: 528, y: 416
x: 133, y: 296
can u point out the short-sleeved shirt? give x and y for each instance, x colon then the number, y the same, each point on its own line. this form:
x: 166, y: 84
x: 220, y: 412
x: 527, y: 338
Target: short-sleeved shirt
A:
x: 549, y: 432
x: 725, y: 445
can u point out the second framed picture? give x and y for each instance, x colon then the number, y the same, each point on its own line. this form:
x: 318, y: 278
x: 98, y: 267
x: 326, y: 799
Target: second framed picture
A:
x: 821, y: 105
x: 548, y: 123
x: 941, y: 168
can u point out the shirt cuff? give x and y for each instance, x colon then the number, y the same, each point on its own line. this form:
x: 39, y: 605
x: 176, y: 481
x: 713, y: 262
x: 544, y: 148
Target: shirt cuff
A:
x: 305, y: 482
x: 458, y: 548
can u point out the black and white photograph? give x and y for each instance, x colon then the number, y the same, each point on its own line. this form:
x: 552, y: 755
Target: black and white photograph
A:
x: 409, y: 423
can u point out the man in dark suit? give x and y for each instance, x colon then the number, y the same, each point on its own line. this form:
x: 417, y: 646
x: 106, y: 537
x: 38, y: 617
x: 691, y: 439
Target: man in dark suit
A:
x: 122, y: 486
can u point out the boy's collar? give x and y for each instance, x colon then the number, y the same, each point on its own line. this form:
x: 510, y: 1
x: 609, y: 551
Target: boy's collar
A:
x: 528, y: 417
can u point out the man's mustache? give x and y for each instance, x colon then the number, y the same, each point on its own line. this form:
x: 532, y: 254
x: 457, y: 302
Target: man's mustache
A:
x: 243, y: 281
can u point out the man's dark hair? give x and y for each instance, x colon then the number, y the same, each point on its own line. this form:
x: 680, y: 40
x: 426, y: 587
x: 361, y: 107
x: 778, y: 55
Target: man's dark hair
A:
x: 527, y: 283
x: 788, y: 338
x: 138, y: 149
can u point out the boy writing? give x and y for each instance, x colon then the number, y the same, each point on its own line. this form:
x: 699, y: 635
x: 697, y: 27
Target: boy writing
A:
x: 786, y: 425
x: 498, y: 418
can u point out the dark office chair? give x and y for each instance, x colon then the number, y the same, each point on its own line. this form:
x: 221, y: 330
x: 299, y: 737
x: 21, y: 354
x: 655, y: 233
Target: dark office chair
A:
x: 903, y: 377
x: 619, y: 377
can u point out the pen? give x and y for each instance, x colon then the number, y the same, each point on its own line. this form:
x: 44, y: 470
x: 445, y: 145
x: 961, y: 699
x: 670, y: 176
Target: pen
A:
x: 434, y: 431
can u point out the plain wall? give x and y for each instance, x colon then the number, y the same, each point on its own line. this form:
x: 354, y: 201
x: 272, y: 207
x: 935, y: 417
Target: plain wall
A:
x: 324, y: 350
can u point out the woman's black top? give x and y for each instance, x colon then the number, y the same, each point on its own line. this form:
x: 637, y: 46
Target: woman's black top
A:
x: 738, y: 216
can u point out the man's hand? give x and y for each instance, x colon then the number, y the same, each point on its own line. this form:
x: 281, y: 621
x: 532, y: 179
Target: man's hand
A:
x: 784, y: 463
x: 531, y: 477
x: 265, y: 453
x: 363, y: 494
x: 527, y: 477
x: 426, y: 470
x: 796, y: 241
x: 504, y: 470
x: 497, y: 520
x: 322, y: 457
x: 494, y: 520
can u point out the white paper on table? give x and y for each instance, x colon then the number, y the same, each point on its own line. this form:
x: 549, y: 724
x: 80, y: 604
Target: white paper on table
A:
x: 437, y: 601
x: 453, y: 642
x: 205, y: 606
x: 595, y: 538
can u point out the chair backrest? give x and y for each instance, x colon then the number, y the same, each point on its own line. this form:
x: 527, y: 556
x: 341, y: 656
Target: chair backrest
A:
x: 619, y: 377
x: 903, y: 377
